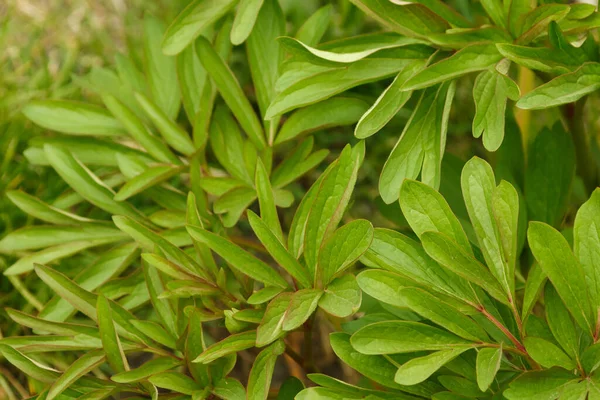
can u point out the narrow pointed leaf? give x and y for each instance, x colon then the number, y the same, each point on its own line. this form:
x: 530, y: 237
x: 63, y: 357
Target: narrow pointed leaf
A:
x: 343, y: 248
x: 277, y: 250
x: 110, y: 341
x: 238, y: 258
x: 556, y: 259
x: 420, y: 368
x: 488, y: 364
x: 72, y: 118
x: 230, y: 90
x: 404, y: 337
x: 188, y: 25
x: 261, y: 374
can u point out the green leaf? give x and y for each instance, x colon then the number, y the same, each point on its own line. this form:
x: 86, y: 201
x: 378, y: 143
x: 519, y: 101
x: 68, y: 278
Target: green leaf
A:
x: 265, y: 56
x: 564, y: 89
x: 277, y: 250
x: 297, y: 231
x: 448, y: 254
x: 409, y: 19
x: 515, y: 10
x: 173, y: 134
x: 245, y: 18
x: 266, y: 201
x: 229, y: 389
x: 39, y: 324
x: 560, y: 323
x: 297, y: 164
x: 425, y: 209
x: 536, y: 280
x: 382, y: 285
x: 419, y: 369
x: 590, y: 358
x: 302, y: 305
x: 547, y: 353
x: 193, y: 81
x: 111, y: 263
x: 79, y: 368
x: 263, y: 295
x: 505, y: 209
x: 161, y: 71
x: 229, y: 345
x: 404, y: 337
x: 329, y: 206
x: 490, y: 93
x: 472, y: 58
x: 194, y: 346
x: 494, y: 9
x: 85, y: 302
x: 302, y: 51
x: 478, y: 184
x: 228, y: 145
x: 447, y: 12
x: 238, y: 258
x: 230, y: 90
x: 166, y: 266
x: 342, y: 297
x: 579, y: 390
x: 175, y: 381
x: 537, y: 20
x: 549, y: 175
x: 556, y: 259
x: 271, y: 326
x: 110, y: 341
x: 290, y: 388
x: 488, y: 364
x: 461, y: 38
x: 150, y: 240
x: 190, y: 23
x: 136, y: 129
x: 332, y: 81
x: 543, y: 59
x: 43, y: 211
x: 336, y: 111
x: 156, y: 332
x: 147, y: 179
x: 40, y: 236
x: 72, y: 118
x: 343, y: 248
x: 586, y: 244
x: 387, y: 105
x: 259, y: 381
x: 420, y: 147
x: 374, y: 367
x: 50, y: 254
x: 539, y: 385
x: 442, y: 314
x: 395, y: 252
x: 312, y: 30
x: 165, y: 310
x: 32, y: 368
x: 146, y: 370
x: 86, y: 184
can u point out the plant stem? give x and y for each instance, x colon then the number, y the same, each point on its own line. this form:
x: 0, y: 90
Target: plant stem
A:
x: 294, y: 356
x: 523, y: 117
x: 308, y: 348
x: 504, y: 330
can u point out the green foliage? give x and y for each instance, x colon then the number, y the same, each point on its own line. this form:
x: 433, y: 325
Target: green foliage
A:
x: 220, y: 220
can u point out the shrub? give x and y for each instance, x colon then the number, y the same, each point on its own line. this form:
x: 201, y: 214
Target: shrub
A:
x: 176, y: 267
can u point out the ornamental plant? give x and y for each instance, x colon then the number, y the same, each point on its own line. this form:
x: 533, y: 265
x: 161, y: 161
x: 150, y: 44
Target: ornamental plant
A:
x: 232, y: 229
